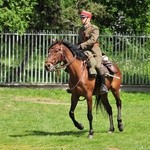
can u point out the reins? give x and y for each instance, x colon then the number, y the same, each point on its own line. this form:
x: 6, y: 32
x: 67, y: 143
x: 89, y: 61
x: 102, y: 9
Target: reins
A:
x: 69, y: 62
x: 79, y: 81
x: 66, y: 63
x: 79, y: 78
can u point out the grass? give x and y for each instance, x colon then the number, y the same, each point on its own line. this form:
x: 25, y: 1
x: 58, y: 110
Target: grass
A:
x: 37, y: 119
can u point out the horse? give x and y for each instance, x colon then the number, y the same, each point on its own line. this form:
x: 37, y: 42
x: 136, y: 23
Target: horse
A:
x: 82, y: 85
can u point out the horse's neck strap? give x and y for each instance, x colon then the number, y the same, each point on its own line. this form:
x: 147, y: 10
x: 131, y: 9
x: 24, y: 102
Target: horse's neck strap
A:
x: 69, y: 62
x: 84, y: 66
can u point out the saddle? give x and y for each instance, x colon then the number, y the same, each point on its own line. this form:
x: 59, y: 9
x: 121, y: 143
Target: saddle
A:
x: 109, y: 68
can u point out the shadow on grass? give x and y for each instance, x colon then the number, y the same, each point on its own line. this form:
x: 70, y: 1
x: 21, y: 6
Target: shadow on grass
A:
x: 43, y: 133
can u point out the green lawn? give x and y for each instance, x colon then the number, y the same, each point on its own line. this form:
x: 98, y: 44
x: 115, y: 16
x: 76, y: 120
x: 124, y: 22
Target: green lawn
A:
x: 37, y: 119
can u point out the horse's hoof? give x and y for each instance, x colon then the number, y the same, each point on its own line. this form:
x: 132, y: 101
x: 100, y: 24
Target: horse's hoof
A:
x: 120, y: 127
x: 91, y: 132
x: 80, y: 126
x: 90, y: 136
x: 111, y: 130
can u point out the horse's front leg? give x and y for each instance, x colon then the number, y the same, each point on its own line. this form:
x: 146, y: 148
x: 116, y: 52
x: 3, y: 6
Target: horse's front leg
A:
x: 74, y: 101
x: 89, y: 115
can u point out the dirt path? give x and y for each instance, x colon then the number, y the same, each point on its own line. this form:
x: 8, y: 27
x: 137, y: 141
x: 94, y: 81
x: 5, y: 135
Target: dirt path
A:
x: 40, y: 100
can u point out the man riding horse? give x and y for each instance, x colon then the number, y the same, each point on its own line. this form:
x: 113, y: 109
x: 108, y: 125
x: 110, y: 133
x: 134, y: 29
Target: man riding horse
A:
x: 88, y: 42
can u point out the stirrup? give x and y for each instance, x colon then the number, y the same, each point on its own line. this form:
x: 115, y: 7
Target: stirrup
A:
x: 68, y: 91
x: 103, y: 89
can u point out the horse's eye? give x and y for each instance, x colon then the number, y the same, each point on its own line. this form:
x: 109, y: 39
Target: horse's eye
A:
x: 54, y: 51
x: 57, y: 50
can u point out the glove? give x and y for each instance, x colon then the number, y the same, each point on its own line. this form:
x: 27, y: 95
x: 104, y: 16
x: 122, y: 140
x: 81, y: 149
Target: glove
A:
x: 76, y: 47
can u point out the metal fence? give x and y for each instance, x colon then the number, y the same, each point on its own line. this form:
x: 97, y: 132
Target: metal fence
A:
x: 22, y: 57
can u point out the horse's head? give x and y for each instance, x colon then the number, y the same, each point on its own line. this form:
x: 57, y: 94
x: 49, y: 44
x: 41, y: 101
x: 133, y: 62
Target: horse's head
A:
x: 55, y: 56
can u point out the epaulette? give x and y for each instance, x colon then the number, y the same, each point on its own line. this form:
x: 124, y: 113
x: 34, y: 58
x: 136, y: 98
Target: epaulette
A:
x: 94, y: 26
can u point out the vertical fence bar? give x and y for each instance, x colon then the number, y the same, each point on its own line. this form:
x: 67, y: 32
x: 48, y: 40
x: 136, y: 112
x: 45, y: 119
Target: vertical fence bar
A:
x: 1, y: 58
x: 39, y: 54
x: 23, y: 52
x: 43, y: 57
x: 15, y: 58
x: 32, y: 59
x: 36, y: 54
x: 13, y: 54
x: 8, y: 57
x: 31, y: 49
x: 5, y: 58
x: 20, y: 59
x: 27, y: 56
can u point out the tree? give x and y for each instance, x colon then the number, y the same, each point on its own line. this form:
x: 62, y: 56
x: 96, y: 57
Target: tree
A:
x: 120, y: 16
x: 15, y: 15
x: 46, y: 15
x: 71, y: 11
x: 127, y: 16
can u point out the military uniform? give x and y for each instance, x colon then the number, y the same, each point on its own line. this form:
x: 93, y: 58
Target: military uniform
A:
x: 88, y: 40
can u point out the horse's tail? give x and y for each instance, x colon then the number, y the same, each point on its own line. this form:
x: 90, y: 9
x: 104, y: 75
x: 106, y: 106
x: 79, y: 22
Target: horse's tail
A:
x: 99, y: 104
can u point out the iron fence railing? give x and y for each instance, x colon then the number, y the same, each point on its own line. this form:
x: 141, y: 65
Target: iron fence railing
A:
x: 22, y: 57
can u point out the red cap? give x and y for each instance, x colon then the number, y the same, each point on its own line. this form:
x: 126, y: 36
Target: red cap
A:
x: 86, y: 14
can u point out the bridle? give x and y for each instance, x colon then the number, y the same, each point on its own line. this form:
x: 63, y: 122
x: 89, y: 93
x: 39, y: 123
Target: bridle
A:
x: 59, y: 66
x: 67, y: 63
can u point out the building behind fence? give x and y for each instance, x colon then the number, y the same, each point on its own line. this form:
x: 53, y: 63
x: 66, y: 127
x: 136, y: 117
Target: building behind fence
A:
x: 22, y: 57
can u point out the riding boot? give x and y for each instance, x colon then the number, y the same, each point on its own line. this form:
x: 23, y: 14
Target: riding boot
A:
x: 103, y: 87
x: 68, y: 90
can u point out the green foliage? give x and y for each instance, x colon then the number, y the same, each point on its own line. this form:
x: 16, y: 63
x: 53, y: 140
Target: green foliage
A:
x: 70, y: 18
x: 127, y: 16
x: 68, y: 3
x: 98, y: 12
x: 15, y: 15
x: 112, y: 16
x: 46, y: 15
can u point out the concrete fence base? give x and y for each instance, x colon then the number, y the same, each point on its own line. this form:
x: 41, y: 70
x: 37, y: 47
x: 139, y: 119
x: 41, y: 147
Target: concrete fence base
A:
x: 126, y: 88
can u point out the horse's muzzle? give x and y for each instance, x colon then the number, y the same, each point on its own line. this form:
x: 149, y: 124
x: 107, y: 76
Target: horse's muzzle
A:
x: 49, y: 67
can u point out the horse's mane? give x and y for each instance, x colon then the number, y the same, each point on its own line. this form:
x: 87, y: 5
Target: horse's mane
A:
x: 70, y: 46
x: 73, y: 49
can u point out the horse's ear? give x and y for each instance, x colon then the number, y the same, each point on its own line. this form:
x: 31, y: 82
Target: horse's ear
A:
x: 61, y: 41
x: 54, y: 41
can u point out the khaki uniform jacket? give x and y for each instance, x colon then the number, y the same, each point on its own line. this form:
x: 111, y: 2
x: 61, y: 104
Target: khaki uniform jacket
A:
x: 88, y: 39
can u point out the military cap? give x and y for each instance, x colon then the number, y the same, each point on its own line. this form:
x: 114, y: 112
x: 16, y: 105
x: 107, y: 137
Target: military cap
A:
x: 86, y: 14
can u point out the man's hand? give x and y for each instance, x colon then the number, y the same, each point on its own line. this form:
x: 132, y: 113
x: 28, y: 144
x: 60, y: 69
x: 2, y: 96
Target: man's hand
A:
x: 76, y: 47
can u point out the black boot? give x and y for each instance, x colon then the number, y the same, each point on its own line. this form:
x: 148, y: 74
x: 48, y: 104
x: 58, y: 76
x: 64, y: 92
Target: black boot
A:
x: 103, y: 87
x: 68, y: 90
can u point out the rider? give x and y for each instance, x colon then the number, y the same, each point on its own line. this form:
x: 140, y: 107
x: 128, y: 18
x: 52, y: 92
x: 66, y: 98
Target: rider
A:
x: 88, y: 41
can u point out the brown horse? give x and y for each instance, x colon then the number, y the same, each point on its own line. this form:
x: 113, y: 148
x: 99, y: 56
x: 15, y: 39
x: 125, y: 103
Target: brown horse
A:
x: 82, y: 85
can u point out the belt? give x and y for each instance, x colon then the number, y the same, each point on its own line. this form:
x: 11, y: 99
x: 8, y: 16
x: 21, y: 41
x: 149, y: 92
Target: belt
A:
x: 96, y: 44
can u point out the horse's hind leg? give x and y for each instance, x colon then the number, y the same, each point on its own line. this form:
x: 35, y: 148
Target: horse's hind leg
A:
x: 119, y: 106
x: 108, y: 108
x: 74, y: 101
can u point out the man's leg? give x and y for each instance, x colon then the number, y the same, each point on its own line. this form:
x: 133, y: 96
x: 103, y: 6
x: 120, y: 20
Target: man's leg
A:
x: 100, y: 71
